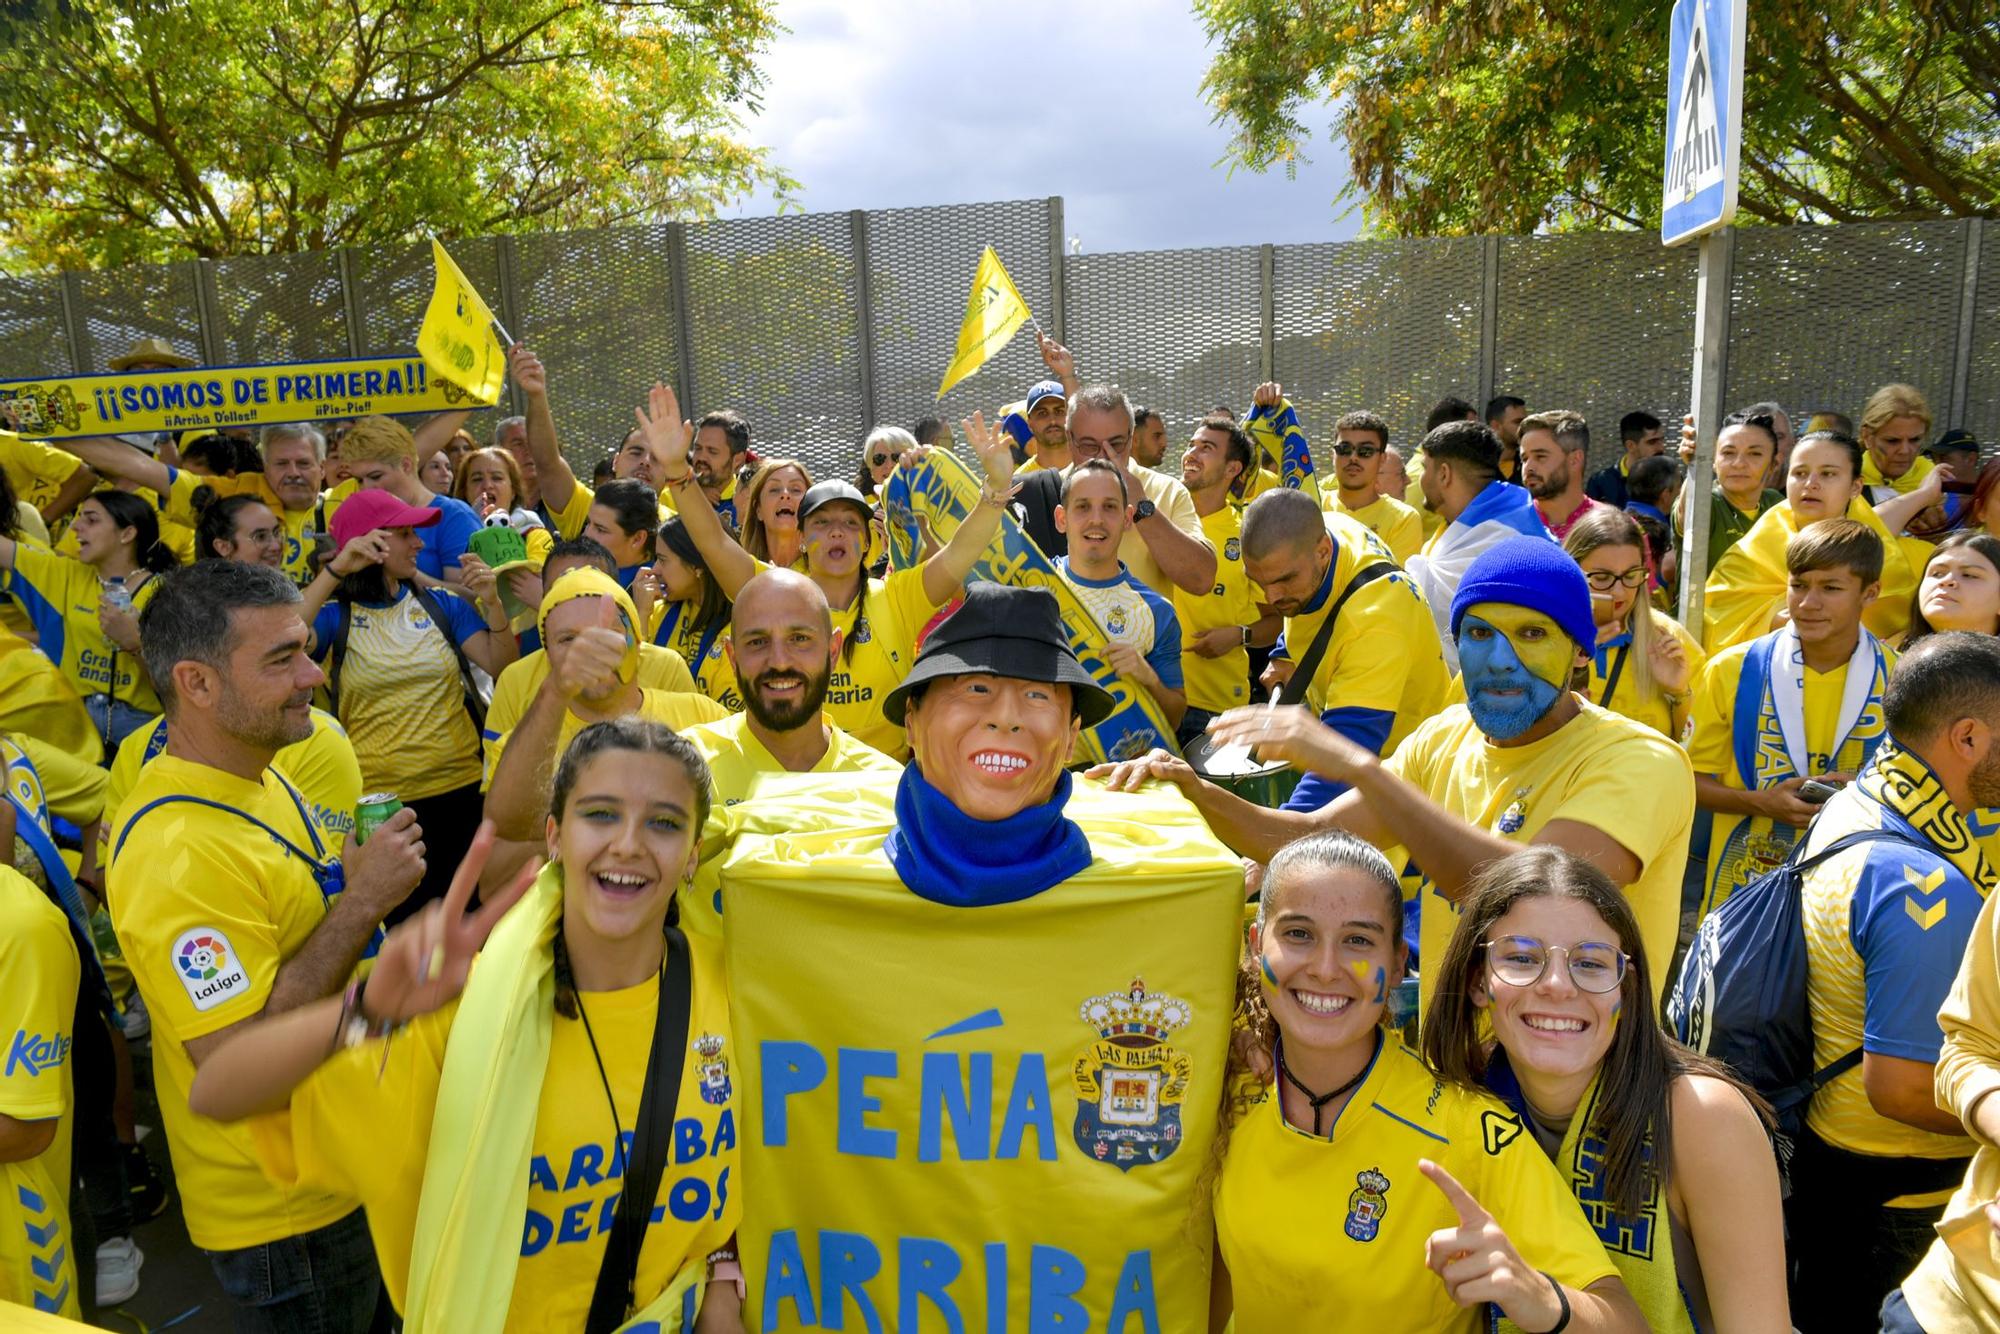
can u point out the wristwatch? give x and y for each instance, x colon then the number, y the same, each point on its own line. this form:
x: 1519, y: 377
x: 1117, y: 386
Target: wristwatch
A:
x: 1144, y: 510
x: 1246, y: 636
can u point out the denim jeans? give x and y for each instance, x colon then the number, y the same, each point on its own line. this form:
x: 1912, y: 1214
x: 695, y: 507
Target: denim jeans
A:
x: 319, y: 1282
x: 1896, y: 1316
x: 114, y: 720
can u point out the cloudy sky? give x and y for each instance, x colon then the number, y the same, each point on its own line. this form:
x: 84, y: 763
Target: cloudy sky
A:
x: 893, y: 103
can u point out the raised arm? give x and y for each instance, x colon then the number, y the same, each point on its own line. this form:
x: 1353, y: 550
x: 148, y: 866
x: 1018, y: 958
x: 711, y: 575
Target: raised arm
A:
x: 437, y: 431
x: 1898, y: 512
x: 74, y: 488
x: 120, y: 462
x: 668, y: 437
x: 945, y: 573
x: 557, y: 481
x: 422, y: 965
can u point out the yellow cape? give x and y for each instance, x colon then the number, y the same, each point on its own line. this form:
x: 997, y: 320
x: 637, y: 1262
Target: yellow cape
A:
x: 1747, y: 586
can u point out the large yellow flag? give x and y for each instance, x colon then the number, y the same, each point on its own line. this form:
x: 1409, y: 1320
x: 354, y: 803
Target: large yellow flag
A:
x: 457, y: 340
x: 993, y: 312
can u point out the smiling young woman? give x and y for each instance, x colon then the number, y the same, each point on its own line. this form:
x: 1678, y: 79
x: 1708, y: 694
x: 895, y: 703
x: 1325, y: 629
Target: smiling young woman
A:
x: 558, y: 1100
x: 1666, y: 1150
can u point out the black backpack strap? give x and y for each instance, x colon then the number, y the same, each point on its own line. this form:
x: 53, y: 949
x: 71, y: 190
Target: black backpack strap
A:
x: 473, y: 704
x: 1294, y: 691
x: 652, y: 1143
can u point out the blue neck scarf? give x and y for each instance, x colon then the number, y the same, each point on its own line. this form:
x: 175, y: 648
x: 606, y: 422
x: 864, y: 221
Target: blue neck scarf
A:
x: 949, y: 857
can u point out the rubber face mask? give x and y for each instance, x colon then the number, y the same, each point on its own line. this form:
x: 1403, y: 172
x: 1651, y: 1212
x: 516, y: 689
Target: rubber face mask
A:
x: 1516, y: 663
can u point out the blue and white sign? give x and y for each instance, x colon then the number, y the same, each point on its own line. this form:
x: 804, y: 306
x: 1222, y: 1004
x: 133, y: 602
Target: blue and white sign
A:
x: 1704, y: 118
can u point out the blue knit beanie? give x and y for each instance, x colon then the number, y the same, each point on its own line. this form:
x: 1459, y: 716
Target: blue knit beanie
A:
x: 1529, y: 572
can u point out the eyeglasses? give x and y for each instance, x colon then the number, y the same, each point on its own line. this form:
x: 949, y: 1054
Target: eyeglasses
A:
x: 1357, y: 451
x: 879, y: 459
x: 1602, y: 580
x: 1520, y: 961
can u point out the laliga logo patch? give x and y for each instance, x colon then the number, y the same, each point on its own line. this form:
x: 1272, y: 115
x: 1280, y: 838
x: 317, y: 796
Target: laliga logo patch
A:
x: 1130, y: 1084
x: 1367, y: 1205
x: 207, y: 966
x: 713, y: 1066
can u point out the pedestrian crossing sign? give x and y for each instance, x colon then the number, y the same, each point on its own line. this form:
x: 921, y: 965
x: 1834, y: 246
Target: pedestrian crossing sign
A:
x: 1704, y: 118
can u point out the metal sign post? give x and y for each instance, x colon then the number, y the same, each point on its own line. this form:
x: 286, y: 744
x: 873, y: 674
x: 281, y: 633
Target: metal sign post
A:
x: 1698, y: 199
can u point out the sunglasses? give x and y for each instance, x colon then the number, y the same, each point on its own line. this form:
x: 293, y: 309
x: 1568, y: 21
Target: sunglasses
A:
x: 1521, y: 961
x: 1357, y: 451
x: 1602, y: 580
x: 879, y: 459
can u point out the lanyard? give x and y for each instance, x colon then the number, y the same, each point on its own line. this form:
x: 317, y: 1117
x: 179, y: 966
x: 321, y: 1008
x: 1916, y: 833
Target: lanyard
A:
x: 328, y: 874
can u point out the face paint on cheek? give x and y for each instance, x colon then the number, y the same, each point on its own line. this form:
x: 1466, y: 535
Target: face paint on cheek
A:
x: 1264, y: 962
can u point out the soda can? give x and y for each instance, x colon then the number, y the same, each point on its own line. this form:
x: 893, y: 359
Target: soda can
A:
x: 373, y: 809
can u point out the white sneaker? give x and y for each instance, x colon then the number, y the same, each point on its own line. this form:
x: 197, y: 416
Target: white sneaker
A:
x: 135, y: 1021
x: 118, y: 1262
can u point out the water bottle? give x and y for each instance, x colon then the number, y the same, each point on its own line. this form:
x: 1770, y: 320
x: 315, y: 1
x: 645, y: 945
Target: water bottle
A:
x: 116, y: 595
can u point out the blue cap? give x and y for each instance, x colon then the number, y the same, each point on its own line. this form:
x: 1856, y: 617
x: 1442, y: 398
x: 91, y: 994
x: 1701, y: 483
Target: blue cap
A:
x: 1530, y: 572
x: 1045, y: 389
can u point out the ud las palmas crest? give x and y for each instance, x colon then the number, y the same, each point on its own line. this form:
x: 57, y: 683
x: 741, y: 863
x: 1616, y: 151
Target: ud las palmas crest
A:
x: 1130, y: 1084
x: 713, y: 1067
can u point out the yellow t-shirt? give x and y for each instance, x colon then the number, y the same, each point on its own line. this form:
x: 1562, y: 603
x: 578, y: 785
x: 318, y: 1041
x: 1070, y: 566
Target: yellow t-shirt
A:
x: 1653, y: 710
x: 402, y: 699
x: 37, y: 700
x: 736, y: 760
x: 38, y: 959
x: 1400, y: 527
x: 1220, y: 683
x: 678, y: 709
x: 352, y: 1133
x: 884, y: 646
x: 36, y: 470
x: 1325, y: 1234
x: 1744, y: 847
x: 301, y: 526
x: 206, y: 919
x: 514, y: 690
x: 323, y: 768
x: 61, y: 597
x: 1384, y: 652
x: 673, y: 627
x: 1599, y: 769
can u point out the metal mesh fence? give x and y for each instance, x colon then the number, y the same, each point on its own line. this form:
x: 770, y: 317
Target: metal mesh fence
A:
x: 1390, y: 326
x: 1179, y: 330
x: 1982, y: 396
x: 818, y: 326
x: 918, y: 299
x: 1602, y: 325
x: 776, y: 321
x: 1822, y: 316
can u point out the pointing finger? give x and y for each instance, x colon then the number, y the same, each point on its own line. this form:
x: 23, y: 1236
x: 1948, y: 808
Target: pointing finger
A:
x: 1471, y: 1213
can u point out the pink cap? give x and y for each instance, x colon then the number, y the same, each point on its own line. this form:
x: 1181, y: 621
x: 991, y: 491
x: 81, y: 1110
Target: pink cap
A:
x: 372, y: 508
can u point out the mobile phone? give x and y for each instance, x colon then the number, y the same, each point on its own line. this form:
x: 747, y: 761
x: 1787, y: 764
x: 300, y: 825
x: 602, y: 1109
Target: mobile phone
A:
x: 1016, y: 425
x: 1815, y: 791
x: 1957, y: 488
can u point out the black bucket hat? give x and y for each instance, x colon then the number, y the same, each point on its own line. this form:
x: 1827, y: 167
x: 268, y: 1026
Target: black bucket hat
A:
x: 1004, y: 631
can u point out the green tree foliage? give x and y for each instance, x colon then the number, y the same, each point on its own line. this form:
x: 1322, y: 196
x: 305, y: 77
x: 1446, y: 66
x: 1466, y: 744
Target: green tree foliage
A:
x: 1465, y: 116
x: 139, y: 130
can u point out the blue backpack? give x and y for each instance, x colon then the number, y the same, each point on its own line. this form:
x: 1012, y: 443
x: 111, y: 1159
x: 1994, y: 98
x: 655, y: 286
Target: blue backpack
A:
x: 1741, y: 993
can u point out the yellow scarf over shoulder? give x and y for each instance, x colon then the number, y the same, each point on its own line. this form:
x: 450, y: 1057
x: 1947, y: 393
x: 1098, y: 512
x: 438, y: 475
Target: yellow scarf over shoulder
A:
x: 475, y: 1198
x: 1747, y: 586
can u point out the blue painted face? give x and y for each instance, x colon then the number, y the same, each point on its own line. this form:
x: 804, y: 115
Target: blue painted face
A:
x: 1504, y: 693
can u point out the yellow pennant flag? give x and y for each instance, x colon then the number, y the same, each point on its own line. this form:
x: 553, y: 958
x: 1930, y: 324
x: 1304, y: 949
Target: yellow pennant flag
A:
x: 456, y: 339
x: 993, y: 312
